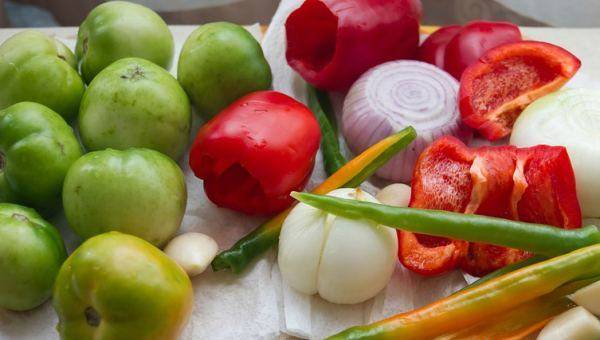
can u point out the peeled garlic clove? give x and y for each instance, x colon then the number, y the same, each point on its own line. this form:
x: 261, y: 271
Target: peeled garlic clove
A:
x: 192, y: 251
x: 300, y: 244
x: 397, y: 194
x: 357, y: 262
x: 588, y: 297
x: 574, y: 324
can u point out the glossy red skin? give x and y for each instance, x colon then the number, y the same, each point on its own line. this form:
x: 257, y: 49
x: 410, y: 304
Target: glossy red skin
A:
x: 255, y: 152
x: 474, y: 40
x: 433, y: 49
x: 330, y: 43
x: 497, y: 88
x: 450, y: 176
x: 429, y: 255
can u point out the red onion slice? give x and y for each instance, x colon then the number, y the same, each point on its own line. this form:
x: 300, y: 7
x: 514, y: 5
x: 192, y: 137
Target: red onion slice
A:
x: 393, y: 95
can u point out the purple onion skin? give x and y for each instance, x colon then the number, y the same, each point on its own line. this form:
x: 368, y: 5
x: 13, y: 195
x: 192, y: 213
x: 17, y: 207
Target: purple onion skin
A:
x: 396, y: 94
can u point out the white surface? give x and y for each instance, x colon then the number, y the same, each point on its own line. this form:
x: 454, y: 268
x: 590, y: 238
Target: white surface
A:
x: 256, y: 305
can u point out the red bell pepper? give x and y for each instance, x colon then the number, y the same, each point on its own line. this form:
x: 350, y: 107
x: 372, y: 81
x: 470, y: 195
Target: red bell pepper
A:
x: 453, y: 48
x: 255, y: 152
x: 330, y: 43
x: 494, y: 90
x: 474, y: 40
x: 433, y: 49
x: 534, y: 184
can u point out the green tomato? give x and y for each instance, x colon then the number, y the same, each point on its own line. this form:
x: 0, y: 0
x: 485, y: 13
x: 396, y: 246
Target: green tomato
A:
x: 35, y: 67
x: 135, y: 103
x: 38, y: 147
x: 219, y: 63
x: 136, y: 191
x: 118, y: 286
x: 119, y: 29
x: 31, y: 252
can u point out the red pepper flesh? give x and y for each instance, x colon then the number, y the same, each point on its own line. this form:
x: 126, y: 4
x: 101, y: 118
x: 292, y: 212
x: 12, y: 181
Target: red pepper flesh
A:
x: 496, y: 89
x: 255, y: 152
x: 534, y: 184
x: 330, y: 43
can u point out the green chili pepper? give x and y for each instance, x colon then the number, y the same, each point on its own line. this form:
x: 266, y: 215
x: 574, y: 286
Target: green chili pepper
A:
x: 485, y: 301
x: 539, y: 239
x: 330, y: 147
x: 352, y: 174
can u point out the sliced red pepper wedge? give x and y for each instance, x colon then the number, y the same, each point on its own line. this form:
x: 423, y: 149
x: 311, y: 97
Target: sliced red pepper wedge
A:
x: 429, y: 255
x: 535, y: 184
x: 549, y: 197
x: 494, y: 90
x: 330, y: 43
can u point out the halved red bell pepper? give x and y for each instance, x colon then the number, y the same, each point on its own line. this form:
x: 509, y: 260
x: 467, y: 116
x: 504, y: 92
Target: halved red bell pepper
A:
x: 496, y: 89
x: 534, y: 184
x: 330, y: 43
x: 255, y: 152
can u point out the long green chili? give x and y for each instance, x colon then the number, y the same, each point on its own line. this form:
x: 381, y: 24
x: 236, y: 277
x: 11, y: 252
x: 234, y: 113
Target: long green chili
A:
x: 539, y: 239
x: 319, y: 104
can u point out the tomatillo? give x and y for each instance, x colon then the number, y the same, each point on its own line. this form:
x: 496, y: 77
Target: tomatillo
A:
x: 219, y: 63
x: 31, y: 253
x: 120, y: 29
x: 135, y: 103
x: 38, y: 147
x: 35, y: 67
x: 136, y: 191
x: 118, y: 286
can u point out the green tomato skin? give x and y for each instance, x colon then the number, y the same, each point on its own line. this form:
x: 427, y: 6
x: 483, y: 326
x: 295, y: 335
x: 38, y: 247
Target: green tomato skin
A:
x: 136, y: 191
x: 38, y: 147
x: 118, y: 286
x: 219, y: 63
x: 38, y: 68
x: 31, y: 253
x: 119, y: 29
x: 135, y: 103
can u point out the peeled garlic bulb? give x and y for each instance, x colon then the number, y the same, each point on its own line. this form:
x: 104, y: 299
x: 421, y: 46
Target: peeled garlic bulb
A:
x: 192, y: 251
x: 574, y: 324
x: 397, y: 194
x: 344, y: 261
x: 588, y: 297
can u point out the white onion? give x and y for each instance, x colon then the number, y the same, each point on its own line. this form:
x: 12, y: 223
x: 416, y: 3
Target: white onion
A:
x: 574, y: 324
x: 570, y: 118
x: 393, y: 95
x: 343, y: 260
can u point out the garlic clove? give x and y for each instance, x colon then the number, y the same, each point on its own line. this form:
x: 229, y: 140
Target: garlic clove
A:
x: 588, y: 297
x: 397, y: 194
x: 300, y: 244
x: 574, y: 324
x: 192, y: 251
x: 358, y: 260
